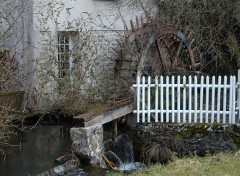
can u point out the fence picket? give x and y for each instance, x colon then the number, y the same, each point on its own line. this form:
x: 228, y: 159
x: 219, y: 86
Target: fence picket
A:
x: 190, y: 99
x: 201, y: 99
x: 207, y: 99
x: 184, y: 99
x: 149, y: 98
x: 230, y: 101
x: 156, y: 99
x: 161, y: 89
x: 173, y: 100
x: 178, y: 99
x: 213, y: 99
x: 218, y: 98
x: 234, y: 99
x: 238, y: 96
x: 167, y: 99
x: 224, y: 99
x: 138, y: 99
x: 195, y: 99
x: 143, y: 99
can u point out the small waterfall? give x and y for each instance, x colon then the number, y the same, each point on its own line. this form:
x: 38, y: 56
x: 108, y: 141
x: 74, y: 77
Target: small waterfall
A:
x: 122, y: 146
x: 128, y: 153
x: 117, y: 159
x: 123, y: 155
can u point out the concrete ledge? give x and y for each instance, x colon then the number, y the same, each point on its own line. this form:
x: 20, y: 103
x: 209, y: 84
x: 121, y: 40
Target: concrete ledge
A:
x: 109, y: 115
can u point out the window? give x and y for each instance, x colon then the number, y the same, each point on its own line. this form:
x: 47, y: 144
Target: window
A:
x: 63, y: 56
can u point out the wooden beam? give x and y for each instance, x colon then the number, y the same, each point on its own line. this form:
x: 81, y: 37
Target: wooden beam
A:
x: 175, y: 59
x: 161, y: 55
x: 115, y: 129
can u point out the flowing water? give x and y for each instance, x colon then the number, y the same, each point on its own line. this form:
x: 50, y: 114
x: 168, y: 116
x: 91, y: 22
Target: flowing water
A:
x: 124, y: 154
x: 39, y: 147
x: 124, y: 166
x: 37, y: 150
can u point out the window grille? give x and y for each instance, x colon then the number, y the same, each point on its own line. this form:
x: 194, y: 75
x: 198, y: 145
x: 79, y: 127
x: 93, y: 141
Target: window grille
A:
x: 63, y: 56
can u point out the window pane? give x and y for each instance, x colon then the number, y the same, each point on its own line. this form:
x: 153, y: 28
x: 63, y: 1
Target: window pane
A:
x: 63, y: 55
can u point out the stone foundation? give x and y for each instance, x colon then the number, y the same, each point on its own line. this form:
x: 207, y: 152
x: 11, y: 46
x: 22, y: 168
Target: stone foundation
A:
x: 184, y: 140
x: 88, y: 144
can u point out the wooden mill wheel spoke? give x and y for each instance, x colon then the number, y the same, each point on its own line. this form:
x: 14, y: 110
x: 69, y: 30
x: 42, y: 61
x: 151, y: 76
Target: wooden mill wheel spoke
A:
x: 160, y: 48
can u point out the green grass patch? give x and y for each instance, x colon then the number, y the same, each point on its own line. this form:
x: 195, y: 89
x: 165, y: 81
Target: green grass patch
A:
x: 215, y: 165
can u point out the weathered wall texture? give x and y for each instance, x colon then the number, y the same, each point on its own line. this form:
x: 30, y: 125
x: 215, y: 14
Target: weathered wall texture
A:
x: 88, y: 144
x: 105, y: 21
x: 106, y: 56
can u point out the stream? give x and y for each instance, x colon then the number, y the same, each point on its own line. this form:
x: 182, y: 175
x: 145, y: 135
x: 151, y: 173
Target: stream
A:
x: 37, y: 150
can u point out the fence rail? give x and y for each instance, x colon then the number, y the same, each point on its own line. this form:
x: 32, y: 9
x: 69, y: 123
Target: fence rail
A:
x: 189, y: 99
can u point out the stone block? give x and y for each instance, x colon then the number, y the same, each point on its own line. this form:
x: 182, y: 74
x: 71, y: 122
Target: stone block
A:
x: 88, y: 144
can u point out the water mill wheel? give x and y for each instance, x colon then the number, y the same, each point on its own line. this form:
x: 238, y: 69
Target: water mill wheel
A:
x: 152, y: 50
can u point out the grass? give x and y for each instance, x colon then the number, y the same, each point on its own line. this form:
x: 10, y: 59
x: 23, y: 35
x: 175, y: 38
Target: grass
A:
x: 219, y: 165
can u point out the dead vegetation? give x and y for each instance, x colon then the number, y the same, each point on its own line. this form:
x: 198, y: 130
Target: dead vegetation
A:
x: 211, y: 28
x: 159, y: 154
x: 213, y: 25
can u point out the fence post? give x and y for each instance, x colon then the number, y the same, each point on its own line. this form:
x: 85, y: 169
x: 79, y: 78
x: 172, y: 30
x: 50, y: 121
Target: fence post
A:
x: 238, y: 99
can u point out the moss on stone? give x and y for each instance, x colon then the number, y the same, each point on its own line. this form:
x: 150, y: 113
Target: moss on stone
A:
x: 192, y: 130
x: 185, y: 139
x: 234, y: 133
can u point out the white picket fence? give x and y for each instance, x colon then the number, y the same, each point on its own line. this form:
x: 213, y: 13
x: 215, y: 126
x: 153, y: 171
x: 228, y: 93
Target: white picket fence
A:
x: 190, y: 99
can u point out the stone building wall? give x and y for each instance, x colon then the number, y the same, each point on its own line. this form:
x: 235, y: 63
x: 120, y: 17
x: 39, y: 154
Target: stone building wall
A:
x: 107, y: 54
x: 101, y: 52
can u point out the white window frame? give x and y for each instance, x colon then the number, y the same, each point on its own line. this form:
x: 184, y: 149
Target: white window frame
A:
x: 63, y: 55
